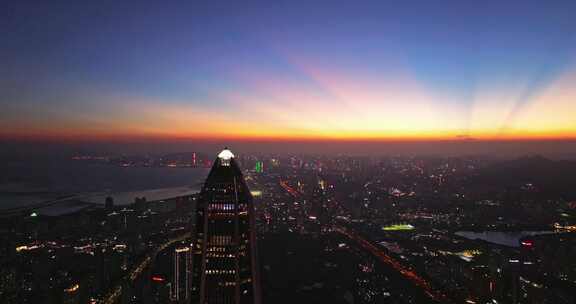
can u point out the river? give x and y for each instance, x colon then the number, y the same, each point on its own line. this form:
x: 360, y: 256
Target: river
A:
x: 26, y: 183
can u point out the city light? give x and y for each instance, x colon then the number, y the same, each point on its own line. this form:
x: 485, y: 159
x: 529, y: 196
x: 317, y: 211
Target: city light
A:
x: 73, y: 288
x: 256, y: 193
x: 527, y: 243
x: 398, y: 227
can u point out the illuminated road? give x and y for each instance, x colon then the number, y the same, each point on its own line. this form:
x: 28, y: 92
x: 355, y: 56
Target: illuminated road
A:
x: 112, y: 297
x: 407, y: 273
x: 382, y: 256
x: 289, y: 189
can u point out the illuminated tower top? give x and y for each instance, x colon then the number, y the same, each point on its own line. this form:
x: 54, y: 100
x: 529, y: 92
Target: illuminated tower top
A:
x: 225, y: 154
x: 225, y: 170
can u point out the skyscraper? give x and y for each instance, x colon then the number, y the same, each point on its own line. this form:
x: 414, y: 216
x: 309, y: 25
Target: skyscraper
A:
x: 225, y: 268
x: 182, y: 261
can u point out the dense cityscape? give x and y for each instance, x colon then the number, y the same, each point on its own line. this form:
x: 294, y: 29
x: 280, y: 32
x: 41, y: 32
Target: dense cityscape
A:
x: 336, y: 229
x: 285, y: 151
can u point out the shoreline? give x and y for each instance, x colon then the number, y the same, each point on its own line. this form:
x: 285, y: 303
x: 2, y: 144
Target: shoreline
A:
x: 70, y: 203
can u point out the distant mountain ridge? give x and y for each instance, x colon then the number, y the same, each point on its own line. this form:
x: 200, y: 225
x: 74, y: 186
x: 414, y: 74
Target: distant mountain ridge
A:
x: 550, y: 177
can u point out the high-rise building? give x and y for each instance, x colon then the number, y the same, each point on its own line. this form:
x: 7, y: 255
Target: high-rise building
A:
x: 182, y: 274
x: 225, y: 268
x: 259, y: 167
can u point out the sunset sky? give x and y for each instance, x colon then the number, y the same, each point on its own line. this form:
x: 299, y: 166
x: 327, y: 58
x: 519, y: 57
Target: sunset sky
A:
x: 289, y: 69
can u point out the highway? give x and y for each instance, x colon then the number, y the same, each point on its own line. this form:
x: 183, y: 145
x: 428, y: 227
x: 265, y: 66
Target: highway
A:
x: 383, y: 257
x: 113, y: 296
x: 289, y: 189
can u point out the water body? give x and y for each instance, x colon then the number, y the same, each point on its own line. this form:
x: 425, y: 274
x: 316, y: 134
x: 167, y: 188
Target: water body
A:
x: 511, y: 239
x: 32, y: 182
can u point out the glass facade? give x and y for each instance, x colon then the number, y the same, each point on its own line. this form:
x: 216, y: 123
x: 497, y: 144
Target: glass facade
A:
x: 224, y: 256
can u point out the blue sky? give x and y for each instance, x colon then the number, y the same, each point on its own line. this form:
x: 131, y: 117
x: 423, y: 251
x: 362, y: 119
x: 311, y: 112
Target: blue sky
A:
x: 101, y: 61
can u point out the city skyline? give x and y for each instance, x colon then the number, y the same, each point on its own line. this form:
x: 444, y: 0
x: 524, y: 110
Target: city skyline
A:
x: 336, y: 229
x: 373, y: 71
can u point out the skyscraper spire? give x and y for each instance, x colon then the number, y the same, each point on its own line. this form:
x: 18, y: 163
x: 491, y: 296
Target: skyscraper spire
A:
x: 225, y: 268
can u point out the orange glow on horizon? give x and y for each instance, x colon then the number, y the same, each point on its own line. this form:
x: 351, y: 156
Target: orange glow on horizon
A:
x: 351, y: 110
x: 331, y: 137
